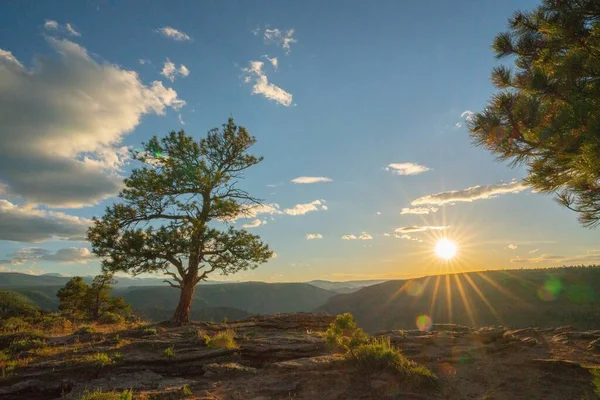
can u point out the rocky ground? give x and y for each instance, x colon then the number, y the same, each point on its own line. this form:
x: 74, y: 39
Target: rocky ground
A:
x: 285, y: 357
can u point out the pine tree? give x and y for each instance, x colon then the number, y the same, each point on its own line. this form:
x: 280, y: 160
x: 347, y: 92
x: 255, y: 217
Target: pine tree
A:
x: 547, y: 113
x: 174, y: 211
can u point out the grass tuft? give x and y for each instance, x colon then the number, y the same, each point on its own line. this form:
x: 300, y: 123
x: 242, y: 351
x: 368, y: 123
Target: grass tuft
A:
x: 222, y: 340
x: 99, y: 395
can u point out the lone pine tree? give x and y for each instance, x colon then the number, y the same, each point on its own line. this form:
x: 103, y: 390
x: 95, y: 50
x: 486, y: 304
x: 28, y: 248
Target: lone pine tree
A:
x: 175, y: 212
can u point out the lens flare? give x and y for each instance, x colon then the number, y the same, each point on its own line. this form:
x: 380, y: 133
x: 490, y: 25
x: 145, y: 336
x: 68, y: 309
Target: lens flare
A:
x: 551, y: 289
x: 424, y: 323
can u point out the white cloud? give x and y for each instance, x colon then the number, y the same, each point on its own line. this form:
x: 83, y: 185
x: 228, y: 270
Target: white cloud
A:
x: 471, y: 194
x: 144, y: 61
x: 174, y: 34
x: 72, y: 30
x: 458, y: 125
x: 365, y: 236
x: 417, y: 228
x: 281, y: 38
x: 170, y: 70
x: 183, y: 70
x: 311, y: 179
x: 51, y: 24
x: 254, y: 224
x: 349, y: 237
x: 261, y: 84
x: 301, y: 209
x: 592, y: 256
x: 27, y: 224
x: 313, y: 236
x: 180, y: 118
x: 418, y: 210
x: 273, y: 60
x: 84, y: 109
x: 468, y: 115
x: 68, y: 255
x: 533, y: 251
x: 512, y: 246
x: 406, y: 168
x: 387, y: 234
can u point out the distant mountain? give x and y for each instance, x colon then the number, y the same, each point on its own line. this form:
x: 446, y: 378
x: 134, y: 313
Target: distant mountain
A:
x: 343, y: 287
x: 231, y: 300
x: 514, y: 298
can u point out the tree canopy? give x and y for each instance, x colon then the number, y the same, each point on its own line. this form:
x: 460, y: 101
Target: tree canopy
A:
x: 175, y: 212
x: 547, y: 112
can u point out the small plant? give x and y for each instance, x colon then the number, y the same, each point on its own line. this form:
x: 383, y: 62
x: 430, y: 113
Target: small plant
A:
x: 596, y: 380
x: 150, y: 331
x: 186, y: 391
x: 222, y: 340
x: 85, y: 330
x: 98, y: 359
x: 379, y: 355
x: 14, y: 325
x: 117, y: 357
x: 99, y: 395
x: 25, y: 344
x: 109, y: 318
x: 225, y: 320
x: 343, y: 334
x: 170, y: 352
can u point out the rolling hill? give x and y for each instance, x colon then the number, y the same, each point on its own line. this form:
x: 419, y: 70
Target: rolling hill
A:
x: 513, y: 298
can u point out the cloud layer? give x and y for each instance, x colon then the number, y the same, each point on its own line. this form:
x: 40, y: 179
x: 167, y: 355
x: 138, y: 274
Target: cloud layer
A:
x: 27, y: 224
x: 417, y: 228
x: 68, y: 255
x: 84, y: 108
x: 471, y: 194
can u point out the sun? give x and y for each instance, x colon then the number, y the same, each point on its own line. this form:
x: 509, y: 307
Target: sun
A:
x: 445, y: 249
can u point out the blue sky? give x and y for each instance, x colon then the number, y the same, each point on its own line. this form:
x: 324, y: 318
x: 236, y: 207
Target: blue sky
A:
x: 373, y: 96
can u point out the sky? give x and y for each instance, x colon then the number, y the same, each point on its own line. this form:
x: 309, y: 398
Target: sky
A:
x: 359, y: 108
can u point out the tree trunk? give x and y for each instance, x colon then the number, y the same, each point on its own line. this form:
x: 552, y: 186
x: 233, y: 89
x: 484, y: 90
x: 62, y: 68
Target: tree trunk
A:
x: 182, y: 312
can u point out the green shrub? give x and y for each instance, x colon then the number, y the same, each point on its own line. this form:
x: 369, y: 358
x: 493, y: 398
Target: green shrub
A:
x: 150, y: 331
x: 99, y: 395
x: 379, y: 355
x: 222, y: 340
x: 109, y: 318
x: 186, y: 391
x: 55, y: 323
x: 596, y: 379
x: 85, y: 330
x: 343, y: 334
x: 98, y: 359
x: 14, y: 325
x: 25, y: 344
x: 170, y: 352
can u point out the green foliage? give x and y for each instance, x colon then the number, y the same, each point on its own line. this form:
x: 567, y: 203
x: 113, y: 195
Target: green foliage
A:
x: 25, y: 344
x: 99, y: 395
x: 222, y: 340
x: 79, y: 301
x: 85, y: 330
x: 344, y: 335
x: 110, y: 318
x: 546, y: 114
x: 54, y: 323
x: 150, y: 331
x: 596, y: 379
x: 14, y: 304
x: 379, y: 355
x: 186, y: 391
x: 181, y: 188
x: 97, y: 359
x: 170, y: 352
x: 14, y: 325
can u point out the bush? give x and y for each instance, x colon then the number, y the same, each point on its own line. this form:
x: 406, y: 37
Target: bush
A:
x: 596, y: 379
x: 85, y: 330
x: 109, y: 318
x: 222, y: 340
x: 14, y: 325
x: 379, y: 356
x: 98, y: 359
x: 344, y: 335
x: 150, y: 331
x: 55, y: 323
x: 170, y: 352
x: 25, y: 344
